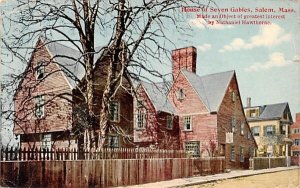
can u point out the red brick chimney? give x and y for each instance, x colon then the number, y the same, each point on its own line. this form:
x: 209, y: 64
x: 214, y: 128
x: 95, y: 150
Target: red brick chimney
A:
x: 184, y: 58
x: 298, y: 117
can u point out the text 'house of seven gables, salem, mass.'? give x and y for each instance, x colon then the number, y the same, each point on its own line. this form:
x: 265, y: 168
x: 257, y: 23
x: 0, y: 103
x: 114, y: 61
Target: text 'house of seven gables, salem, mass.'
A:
x: 201, y: 114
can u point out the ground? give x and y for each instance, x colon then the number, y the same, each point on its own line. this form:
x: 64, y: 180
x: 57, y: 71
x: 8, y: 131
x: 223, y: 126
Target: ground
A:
x: 285, y: 179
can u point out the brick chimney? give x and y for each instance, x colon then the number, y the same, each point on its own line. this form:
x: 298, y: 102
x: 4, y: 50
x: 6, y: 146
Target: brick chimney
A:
x: 248, y: 101
x: 298, y: 117
x: 184, y: 58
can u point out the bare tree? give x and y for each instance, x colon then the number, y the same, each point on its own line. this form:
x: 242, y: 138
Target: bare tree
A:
x: 134, y: 34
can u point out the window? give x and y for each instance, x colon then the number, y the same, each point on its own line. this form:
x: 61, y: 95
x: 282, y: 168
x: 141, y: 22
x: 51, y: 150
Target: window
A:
x: 297, y: 142
x: 180, y: 94
x: 222, y: 149
x: 114, y: 109
x: 233, y: 125
x: 296, y: 131
x: 113, y: 141
x: 169, y: 122
x: 39, y: 106
x: 193, y: 147
x: 188, y: 123
x: 255, y: 131
x: 269, y: 130
x: 233, y: 96
x: 282, y: 129
x: 249, y: 135
x: 242, y: 154
x: 40, y: 71
x: 140, y: 103
x: 141, y: 119
x: 242, y: 128
x: 232, y: 154
x: 46, y: 141
x: 252, y: 113
x: 252, y: 152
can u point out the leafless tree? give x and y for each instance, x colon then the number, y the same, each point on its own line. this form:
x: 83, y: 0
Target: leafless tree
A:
x: 136, y: 36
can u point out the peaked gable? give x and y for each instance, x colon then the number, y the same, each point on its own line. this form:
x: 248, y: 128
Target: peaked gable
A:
x: 210, y: 88
x: 273, y: 111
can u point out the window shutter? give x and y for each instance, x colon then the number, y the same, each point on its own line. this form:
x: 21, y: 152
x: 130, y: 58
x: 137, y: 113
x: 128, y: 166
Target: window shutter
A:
x: 265, y: 130
x: 273, y: 129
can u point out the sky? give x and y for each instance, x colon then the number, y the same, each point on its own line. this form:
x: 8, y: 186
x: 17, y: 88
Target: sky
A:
x: 265, y: 57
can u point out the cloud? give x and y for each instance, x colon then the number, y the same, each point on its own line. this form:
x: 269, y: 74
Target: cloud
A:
x: 203, y: 48
x: 276, y: 59
x: 204, y: 24
x: 269, y: 35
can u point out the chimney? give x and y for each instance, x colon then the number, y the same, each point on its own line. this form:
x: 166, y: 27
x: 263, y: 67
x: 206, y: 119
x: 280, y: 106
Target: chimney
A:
x: 184, y: 58
x: 248, y: 101
x: 298, y: 117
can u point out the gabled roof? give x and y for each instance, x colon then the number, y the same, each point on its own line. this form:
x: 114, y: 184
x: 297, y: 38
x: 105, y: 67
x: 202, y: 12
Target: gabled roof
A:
x: 211, y: 88
x: 273, y: 111
x: 68, y: 60
x: 157, y: 93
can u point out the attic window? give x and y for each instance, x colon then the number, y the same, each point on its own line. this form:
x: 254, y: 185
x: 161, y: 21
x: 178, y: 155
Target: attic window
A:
x: 180, y: 94
x: 233, y: 96
x: 40, y: 71
x: 39, y: 106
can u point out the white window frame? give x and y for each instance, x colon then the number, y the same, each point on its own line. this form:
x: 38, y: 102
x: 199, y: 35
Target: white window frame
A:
x: 187, y: 120
x: 40, y: 70
x: 114, y: 113
x: 268, y: 129
x: 233, y: 125
x: 254, y: 132
x: 233, y: 96
x: 193, y: 148
x: 141, y: 119
x: 40, y: 106
x: 113, y: 141
x: 296, y: 130
x: 232, y: 153
x: 46, y: 141
x: 170, y: 122
x: 181, y: 94
x: 242, y: 157
x: 242, y: 128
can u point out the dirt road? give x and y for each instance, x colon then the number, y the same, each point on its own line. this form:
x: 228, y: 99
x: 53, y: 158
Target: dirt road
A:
x: 284, y: 179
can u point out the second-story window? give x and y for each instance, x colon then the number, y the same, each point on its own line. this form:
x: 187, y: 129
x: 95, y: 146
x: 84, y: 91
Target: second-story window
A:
x: 255, y: 131
x: 233, y: 125
x: 39, y: 106
x: 187, y: 123
x: 282, y: 129
x: 296, y: 131
x: 141, y: 119
x: 169, y: 122
x: 40, y: 71
x: 269, y: 130
x: 242, y: 128
x: 297, y: 142
x: 114, y: 110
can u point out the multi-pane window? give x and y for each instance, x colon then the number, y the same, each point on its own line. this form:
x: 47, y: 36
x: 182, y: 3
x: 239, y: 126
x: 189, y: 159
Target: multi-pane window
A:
x: 40, y: 71
x: 233, y: 125
x: 242, y: 154
x: 296, y: 131
x: 232, y: 154
x: 113, y: 141
x: 187, y: 123
x: 169, y: 122
x: 46, y: 141
x: 193, y: 147
x: 114, y: 109
x: 297, y: 142
x: 242, y: 128
x: 255, y: 131
x: 282, y: 129
x: 252, y: 113
x: 269, y: 130
x: 39, y: 106
x: 141, y: 119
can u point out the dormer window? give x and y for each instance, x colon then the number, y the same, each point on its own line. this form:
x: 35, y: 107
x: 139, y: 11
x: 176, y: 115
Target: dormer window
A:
x: 40, y: 71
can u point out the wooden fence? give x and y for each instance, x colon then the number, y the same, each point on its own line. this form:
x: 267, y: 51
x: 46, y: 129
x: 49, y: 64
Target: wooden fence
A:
x: 103, y: 172
x: 9, y: 154
x: 257, y: 163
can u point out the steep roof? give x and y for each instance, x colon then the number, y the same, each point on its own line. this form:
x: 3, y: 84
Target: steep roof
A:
x: 211, y: 88
x: 68, y: 60
x: 157, y: 92
x: 273, y: 111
